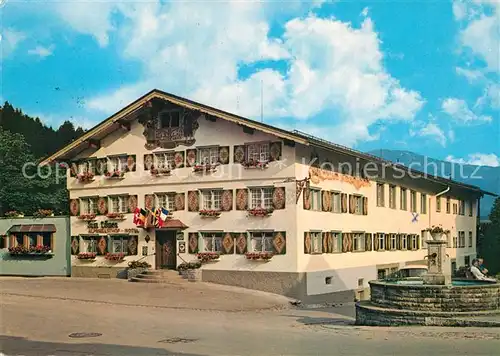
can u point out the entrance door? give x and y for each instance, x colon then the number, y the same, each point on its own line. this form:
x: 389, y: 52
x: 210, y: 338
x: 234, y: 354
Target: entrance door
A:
x: 166, y: 249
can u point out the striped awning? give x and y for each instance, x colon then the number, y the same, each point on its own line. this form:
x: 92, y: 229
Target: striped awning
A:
x: 33, y: 228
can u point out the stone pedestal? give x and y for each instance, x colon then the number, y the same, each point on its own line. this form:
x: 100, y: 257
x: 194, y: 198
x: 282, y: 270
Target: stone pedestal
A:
x: 438, y: 273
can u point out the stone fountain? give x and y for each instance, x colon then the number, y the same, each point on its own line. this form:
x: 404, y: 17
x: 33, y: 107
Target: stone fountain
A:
x: 436, y: 299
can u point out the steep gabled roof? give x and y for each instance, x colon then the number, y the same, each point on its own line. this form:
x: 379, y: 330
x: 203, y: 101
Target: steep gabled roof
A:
x: 126, y: 114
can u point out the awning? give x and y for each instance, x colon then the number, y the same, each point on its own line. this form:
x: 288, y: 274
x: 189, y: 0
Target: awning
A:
x: 173, y: 224
x: 33, y: 228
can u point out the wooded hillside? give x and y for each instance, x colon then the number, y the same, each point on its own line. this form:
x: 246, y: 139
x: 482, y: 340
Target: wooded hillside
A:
x: 26, y: 139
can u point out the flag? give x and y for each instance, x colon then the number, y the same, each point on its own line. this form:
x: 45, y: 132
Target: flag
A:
x: 140, y: 217
x: 150, y: 220
x: 137, y: 214
x: 158, y: 220
x: 164, y: 214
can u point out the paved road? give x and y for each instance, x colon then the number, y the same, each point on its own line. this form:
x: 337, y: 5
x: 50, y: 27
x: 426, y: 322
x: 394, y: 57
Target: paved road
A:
x: 40, y: 325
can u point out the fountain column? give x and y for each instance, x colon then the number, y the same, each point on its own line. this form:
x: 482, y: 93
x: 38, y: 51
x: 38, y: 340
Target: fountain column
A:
x: 437, y: 273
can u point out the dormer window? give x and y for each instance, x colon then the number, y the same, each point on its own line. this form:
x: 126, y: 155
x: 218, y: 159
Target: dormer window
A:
x: 170, y: 119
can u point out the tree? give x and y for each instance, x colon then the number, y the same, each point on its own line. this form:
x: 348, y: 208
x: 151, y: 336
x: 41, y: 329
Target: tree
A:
x: 490, y: 246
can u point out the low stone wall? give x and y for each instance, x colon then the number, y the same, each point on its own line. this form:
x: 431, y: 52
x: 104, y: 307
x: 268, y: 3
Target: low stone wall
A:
x: 370, y: 315
x: 435, y: 298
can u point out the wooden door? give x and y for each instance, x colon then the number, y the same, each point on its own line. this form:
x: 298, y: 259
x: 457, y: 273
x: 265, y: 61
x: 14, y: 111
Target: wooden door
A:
x: 166, y: 250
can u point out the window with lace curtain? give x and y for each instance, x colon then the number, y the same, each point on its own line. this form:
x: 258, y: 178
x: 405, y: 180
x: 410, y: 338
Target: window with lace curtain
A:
x: 211, y: 199
x: 258, y: 152
x: 212, y: 241
x: 262, y: 241
x: 165, y: 200
x: 164, y: 160
x: 208, y: 155
x: 118, y: 204
x: 261, y: 198
x: 88, y: 205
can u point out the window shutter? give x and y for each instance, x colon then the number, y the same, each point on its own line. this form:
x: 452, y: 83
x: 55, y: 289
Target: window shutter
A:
x: 149, y: 201
x: 102, y: 245
x: 324, y: 238
x: 351, y: 242
x: 365, y: 205
x: 132, y: 245
x: 148, y: 162
x: 329, y: 236
x: 418, y: 241
x: 193, y: 242
x: 75, y: 245
x: 224, y: 155
x: 307, y: 198
x: 241, y: 243
x: 387, y: 242
x: 279, y: 198
x: 344, y: 203
x: 227, y: 244
x: 102, y: 206
x: 193, y: 200
x: 74, y: 207
x: 352, y: 208
x: 368, y: 242
x: 240, y: 153
x: 279, y: 242
x: 307, y: 242
x: 132, y: 203
x: 326, y: 200
x: 376, y: 245
x: 191, y: 155
x: 275, y: 151
x: 398, y: 242
x: 345, y: 242
x: 131, y: 163
x: 242, y: 199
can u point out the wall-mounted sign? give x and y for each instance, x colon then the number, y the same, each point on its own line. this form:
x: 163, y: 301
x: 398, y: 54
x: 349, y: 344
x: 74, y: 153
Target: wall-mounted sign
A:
x: 182, y: 247
x: 144, y: 250
x: 107, y: 227
x: 131, y: 231
x: 180, y: 236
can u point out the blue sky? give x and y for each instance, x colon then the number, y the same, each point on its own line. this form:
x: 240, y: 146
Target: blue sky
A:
x: 418, y: 76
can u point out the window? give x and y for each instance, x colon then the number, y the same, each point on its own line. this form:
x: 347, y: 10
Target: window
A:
x: 358, y: 204
x: 316, y: 199
x: 467, y: 260
x: 471, y: 207
x: 404, y: 241
x: 381, y: 241
x: 337, y: 241
x: 32, y: 239
x: 166, y: 201
x: 117, y: 163
x: 118, y: 204
x: 169, y: 119
x: 316, y: 242
x: 438, y: 204
x: 393, y: 242
x: 119, y: 244
x: 87, y: 166
x: 208, y: 155
x: 414, y: 242
x: 336, y: 204
x: 212, y: 241
x: 461, y: 207
x: 88, y: 205
x: 258, y: 152
x: 471, y: 239
x: 164, y: 160
x: 447, y: 205
x: 211, y: 199
x: 455, y: 242
x: 392, y: 197
x: 403, y: 199
x: 381, y: 273
x: 455, y: 208
x: 423, y: 203
x: 380, y: 194
x: 358, y: 241
x: 413, y: 201
x: 262, y: 242
x: 90, y: 244
x: 461, y: 239
x: 261, y: 198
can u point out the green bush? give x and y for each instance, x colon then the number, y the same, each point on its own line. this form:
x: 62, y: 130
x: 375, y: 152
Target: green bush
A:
x: 138, y: 264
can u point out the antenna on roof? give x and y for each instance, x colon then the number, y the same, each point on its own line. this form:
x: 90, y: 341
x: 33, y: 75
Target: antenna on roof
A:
x: 261, y: 101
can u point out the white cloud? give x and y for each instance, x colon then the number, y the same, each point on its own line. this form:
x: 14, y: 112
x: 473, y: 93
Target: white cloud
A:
x: 490, y: 97
x: 430, y: 130
x: 472, y: 75
x: 460, y: 112
x: 41, y: 51
x: 477, y: 159
x: 9, y: 40
x: 55, y: 121
x: 364, y: 13
x: 196, y: 50
x: 459, y: 8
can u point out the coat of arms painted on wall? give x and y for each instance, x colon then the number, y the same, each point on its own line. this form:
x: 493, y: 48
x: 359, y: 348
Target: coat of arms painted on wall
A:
x: 167, y: 125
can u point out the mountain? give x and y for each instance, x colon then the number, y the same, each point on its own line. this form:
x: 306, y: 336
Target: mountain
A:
x: 485, y: 177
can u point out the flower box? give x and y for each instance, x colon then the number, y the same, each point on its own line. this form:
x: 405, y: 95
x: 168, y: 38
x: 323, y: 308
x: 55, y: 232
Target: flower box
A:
x: 160, y: 171
x: 115, y: 216
x: 190, y: 270
x: 259, y: 256
x: 260, y: 212
x: 115, y: 257
x: 251, y: 164
x: 87, y: 256
x: 205, y: 257
x: 13, y: 214
x: 32, y: 251
x: 437, y: 232
x: 210, y: 213
x: 86, y: 217
x: 114, y: 175
x: 204, y: 168
x: 85, y: 177
x: 43, y: 213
